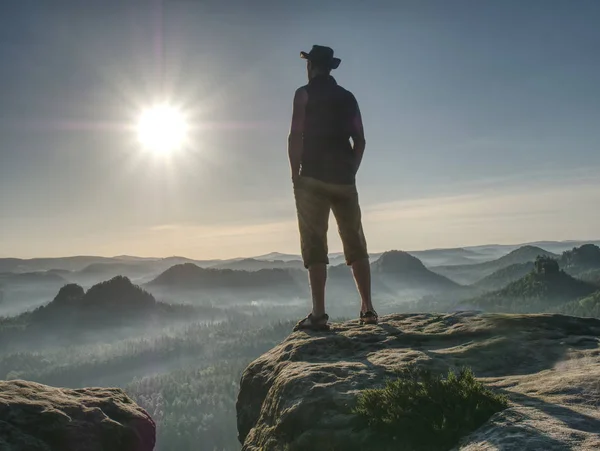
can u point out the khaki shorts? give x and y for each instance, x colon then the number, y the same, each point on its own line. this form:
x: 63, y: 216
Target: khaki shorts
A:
x: 314, y: 200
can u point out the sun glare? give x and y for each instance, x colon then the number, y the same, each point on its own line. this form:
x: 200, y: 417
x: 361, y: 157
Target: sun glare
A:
x: 162, y: 129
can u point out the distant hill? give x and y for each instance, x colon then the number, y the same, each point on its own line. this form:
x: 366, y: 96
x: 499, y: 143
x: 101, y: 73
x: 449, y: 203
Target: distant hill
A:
x: 133, y: 258
x: 504, y: 276
x: 28, y: 278
x: 99, y: 272
x: 581, y: 262
x: 495, y: 251
x: 588, y: 306
x: 581, y: 259
x: 521, y: 255
x: 192, y: 277
x: 401, y: 270
x: 171, y: 261
x: 559, y: 247
x: 113, y: 269
x: 114, y: 303
x: 273, y: 256
x: 335, y: 258
x: 430, y: 257
x: 252, y: 264
x: 84, y: 263
x: 592, y: 276
x: 447, y: 257
x: 44, y: 264
x: 64, y: 273
x: 139, y: 270
x: 546, y: 287
x: 107, y: 312
x: 469, y: 274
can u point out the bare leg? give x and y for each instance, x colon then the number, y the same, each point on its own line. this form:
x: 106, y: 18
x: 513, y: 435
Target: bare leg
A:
x: 361, y: 270
x: 317, y: 276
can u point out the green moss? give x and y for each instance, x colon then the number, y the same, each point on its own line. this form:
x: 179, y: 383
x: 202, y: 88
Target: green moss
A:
x: 427, y: 411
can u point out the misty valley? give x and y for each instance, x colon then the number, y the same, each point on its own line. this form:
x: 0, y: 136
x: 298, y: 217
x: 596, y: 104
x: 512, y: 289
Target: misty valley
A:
x: 176, y: 333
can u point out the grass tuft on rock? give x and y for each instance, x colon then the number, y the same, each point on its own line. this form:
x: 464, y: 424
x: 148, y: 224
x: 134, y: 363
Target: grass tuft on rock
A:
x: 427, y: 411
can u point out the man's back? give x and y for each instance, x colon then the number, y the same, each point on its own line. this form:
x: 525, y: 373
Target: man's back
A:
x: 327, y: 152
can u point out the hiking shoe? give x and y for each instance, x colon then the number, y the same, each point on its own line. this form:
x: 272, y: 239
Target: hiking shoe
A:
x: 311, y: 322
x: 369, y: 317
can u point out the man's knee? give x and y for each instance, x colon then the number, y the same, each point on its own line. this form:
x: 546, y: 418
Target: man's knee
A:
x: 317, y: 266
x: 356, y: 257
x: 355, y: 246
x: 315, y: 257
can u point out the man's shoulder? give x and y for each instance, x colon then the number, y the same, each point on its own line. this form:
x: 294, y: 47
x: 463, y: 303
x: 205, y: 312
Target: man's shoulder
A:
x: 301, y: 94
x: 349, y: 98
x: 346, y: 92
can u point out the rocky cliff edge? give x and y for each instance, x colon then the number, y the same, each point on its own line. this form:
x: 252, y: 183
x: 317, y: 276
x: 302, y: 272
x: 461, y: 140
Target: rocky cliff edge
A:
x: 36, y: 417
x: 299, y: 395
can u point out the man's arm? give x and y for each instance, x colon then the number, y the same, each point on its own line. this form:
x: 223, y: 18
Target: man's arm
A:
x: 357, y: 133
x: 295, y: 139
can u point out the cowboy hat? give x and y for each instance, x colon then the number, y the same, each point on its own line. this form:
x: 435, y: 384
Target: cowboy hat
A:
x: 322, y: 55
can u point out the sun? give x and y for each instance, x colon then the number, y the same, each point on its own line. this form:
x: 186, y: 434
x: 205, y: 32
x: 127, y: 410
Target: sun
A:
x: 162, y: 129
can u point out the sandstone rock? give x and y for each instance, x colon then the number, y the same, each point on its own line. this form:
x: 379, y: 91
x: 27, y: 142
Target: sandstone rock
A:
x: 36, y: 417
x: 299, y: 395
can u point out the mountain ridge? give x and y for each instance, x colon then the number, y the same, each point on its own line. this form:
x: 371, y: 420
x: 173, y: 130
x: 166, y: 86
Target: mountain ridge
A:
x: 74, y: 262
x: 469, y: 274
x: 111, y: 305
x: 191, y: 276
x: 578, y: 262
x: 404, y: 266
x: 544, y: 288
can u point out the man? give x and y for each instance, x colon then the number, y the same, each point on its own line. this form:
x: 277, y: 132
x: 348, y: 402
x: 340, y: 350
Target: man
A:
x: 324, y: 163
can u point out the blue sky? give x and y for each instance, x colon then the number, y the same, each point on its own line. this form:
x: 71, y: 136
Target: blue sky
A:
x: 481, y: 120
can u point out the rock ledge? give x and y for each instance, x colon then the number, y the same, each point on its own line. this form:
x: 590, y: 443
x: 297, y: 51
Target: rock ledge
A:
x: 298, y: 396
x: 36, y: 417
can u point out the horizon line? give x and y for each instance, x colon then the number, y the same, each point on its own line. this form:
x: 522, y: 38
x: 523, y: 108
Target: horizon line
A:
x: 593, y: 240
